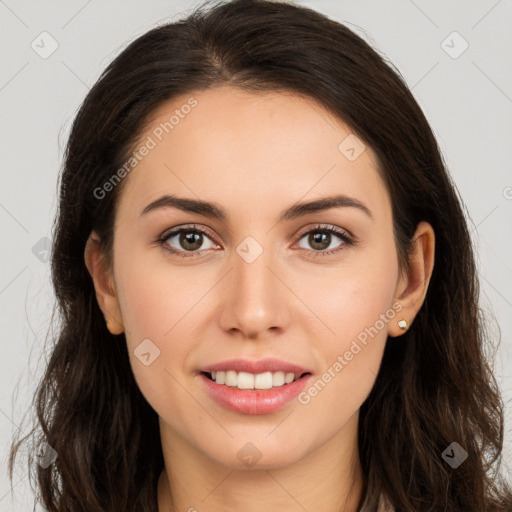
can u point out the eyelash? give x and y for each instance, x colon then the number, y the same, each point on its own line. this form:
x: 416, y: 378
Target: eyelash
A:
x: 342, y: 234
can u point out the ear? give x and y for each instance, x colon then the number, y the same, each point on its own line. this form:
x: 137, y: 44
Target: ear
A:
x: 412, y: 287
x: 103, y: 283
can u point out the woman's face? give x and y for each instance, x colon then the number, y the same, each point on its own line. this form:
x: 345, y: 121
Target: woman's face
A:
x: 258, y: 284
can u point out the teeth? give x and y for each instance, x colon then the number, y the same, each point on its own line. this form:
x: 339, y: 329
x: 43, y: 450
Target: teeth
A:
x: 278, y: 378
x: 263, y: 380
x: 245, y: 380
x: 231, y: 378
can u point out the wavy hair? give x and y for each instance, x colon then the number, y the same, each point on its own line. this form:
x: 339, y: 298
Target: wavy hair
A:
x: 435, y: 384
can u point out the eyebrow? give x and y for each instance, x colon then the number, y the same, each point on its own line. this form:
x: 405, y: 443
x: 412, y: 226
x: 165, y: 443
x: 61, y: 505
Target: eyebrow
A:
x: 215, y: 211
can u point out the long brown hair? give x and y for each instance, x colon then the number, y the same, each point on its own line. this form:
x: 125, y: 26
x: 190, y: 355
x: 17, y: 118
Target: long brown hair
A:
x: 435, y: 385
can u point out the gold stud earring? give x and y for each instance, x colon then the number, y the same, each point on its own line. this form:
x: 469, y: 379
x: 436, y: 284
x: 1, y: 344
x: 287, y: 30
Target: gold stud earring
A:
x: 402, y: 324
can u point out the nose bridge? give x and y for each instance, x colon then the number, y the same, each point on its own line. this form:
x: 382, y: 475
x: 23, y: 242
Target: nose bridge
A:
x: 252, y: 279
x: 255, y: 303
x: 252, y: 274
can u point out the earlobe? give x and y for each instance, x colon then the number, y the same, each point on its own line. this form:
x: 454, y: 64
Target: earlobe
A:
x: 412, y: 287
x: 103, y: 283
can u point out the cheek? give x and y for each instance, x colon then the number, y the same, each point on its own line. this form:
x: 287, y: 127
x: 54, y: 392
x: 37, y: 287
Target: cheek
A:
x: 355, y: 306
x: 351, y: 299
x: 156, y: 297
x: 151, y: 306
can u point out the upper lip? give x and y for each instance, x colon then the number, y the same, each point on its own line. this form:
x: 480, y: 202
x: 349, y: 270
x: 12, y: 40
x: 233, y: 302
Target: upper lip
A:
x: 256, y: 367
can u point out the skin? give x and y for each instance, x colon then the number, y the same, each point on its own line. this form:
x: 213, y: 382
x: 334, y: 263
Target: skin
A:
x: 255, y: 154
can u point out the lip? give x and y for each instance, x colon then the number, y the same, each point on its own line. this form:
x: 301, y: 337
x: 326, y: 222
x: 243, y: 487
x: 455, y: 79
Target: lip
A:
x: 248, y: 401
x: 260, y: 366
x: 252, y: 401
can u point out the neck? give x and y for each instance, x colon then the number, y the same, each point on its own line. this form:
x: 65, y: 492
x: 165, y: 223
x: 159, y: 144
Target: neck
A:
x: 329, y: 479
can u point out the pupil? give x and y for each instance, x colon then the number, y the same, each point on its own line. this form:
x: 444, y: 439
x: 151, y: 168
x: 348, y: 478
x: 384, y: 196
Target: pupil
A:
x: 194, y: 239
x: 320, y: 238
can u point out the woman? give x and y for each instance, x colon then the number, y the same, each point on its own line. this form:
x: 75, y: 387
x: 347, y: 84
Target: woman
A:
x: 266, y: 284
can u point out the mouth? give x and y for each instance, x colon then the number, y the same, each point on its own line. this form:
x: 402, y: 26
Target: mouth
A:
x: 250, y: 386
x: 253, y: 393
x: 256, y: 382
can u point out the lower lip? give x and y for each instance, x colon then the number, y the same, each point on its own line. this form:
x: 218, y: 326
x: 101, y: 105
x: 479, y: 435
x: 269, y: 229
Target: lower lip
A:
x: 248, y: 401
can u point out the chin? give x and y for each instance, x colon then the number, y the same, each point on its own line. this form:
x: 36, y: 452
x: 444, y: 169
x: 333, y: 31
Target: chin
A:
x: 258, y: 455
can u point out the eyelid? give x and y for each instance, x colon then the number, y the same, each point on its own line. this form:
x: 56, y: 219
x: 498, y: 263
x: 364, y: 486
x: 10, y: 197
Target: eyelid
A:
x: 326, y: 227
x: 187, y: 227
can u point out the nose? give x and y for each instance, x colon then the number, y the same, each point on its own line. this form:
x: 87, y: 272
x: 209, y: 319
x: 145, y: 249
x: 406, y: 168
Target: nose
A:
x: 254, y: 298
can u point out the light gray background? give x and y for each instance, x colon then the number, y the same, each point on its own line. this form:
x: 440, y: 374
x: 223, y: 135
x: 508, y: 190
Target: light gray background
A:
x: 467, y: 99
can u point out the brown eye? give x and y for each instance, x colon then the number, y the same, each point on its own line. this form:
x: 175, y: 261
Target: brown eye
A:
x: 186, y: 240
x: 320, y: 240
x: 190, y: 241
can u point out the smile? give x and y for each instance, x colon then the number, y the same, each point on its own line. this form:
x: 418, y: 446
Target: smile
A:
x: 246, y: 380
x: 253, y: 400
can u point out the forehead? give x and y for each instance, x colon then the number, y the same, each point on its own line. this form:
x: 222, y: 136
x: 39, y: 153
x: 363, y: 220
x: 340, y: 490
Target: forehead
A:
x: 249, y: 150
